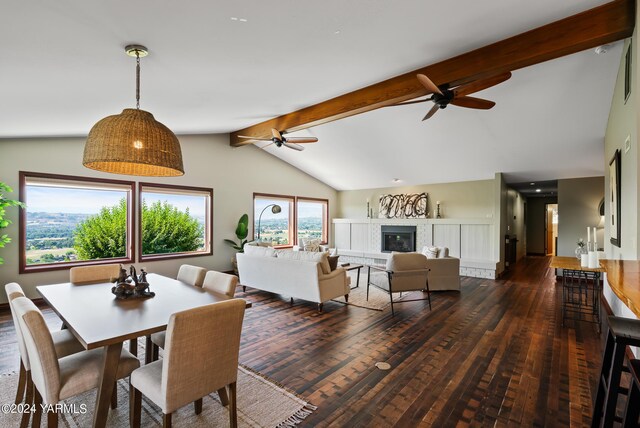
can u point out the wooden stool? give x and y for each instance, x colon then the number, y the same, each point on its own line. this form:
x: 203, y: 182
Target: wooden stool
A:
x: 623, y: 332
x: 632, y: 411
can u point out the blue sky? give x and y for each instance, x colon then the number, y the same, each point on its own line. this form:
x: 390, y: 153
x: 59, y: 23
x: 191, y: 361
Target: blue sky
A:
x: 87, y: 201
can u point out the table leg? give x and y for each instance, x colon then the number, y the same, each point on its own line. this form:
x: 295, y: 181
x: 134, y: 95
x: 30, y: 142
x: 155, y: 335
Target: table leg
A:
x: 110, y: 361
x: 358, y: 278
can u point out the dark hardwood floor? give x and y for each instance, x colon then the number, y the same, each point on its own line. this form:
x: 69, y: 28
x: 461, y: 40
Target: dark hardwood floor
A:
x: 494, y: 354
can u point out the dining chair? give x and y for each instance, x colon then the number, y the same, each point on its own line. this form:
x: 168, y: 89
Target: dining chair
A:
x: 192, y: 275
x: 63, y: 341
x: 220, y: 282
x: 56, y: 379
x: 201, y: 357
x: 80, y: 274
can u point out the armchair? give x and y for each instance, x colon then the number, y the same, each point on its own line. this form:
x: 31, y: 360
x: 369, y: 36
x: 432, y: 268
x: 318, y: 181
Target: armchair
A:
x: 403, y: 272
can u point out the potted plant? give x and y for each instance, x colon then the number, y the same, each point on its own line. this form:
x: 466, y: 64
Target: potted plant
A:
x: 242, y: 230
x: 4, y: 203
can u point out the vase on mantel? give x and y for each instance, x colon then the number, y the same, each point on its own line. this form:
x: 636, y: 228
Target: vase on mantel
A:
x: 580, y: 251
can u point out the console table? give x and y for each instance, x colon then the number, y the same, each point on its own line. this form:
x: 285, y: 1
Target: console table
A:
x: 580, y: 290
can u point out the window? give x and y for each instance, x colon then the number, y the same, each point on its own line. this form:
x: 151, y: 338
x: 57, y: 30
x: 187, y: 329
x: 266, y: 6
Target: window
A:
x: 70, y: 221
x: 299, y: 217
x: 269, y: 226
x: 312, y: 219
x: 175, y: 221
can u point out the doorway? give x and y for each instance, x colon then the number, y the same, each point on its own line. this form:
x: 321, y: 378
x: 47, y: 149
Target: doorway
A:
x: 551, y: 229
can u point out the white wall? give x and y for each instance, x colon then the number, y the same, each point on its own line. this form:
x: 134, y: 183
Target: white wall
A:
x: 209, y: 161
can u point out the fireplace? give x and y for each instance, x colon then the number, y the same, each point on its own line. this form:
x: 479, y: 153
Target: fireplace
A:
x: 398, y: 238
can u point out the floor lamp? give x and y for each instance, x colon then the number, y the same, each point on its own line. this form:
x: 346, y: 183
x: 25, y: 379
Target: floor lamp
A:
x: 275, y: 208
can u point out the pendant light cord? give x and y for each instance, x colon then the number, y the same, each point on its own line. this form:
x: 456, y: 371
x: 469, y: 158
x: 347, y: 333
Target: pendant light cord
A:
x: 137, y: 79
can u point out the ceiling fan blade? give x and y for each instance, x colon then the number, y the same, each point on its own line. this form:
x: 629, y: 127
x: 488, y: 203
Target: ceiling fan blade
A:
x: 266, y: 145
x: 479, y: 85
x: 254, y: 138
x: 276, y: 134
x: 427, y: 83
x: 433, y: 111
x: 471, y: 102
x: 293, y: 146
x: 410, y: 102
x: 302, y: 140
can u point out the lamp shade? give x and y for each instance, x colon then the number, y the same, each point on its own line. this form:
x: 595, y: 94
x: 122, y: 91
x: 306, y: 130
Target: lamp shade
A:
x: 133, y: 143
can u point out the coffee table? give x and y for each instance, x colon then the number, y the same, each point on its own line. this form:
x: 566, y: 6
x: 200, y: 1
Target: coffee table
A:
x: 354, y: 266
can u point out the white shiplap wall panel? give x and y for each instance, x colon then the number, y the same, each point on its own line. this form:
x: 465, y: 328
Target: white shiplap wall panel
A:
x: 447, y: 235
x: 360, y: 236
x: 342, y: 235
x: 475, y: 241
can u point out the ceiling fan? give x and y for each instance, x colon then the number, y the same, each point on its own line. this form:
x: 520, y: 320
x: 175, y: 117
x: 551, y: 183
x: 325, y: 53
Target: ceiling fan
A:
x: 444, y: 95
x: 279, y: 140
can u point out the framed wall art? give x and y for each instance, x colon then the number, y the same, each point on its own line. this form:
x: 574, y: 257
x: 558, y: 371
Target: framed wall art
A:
x: 614, y: 199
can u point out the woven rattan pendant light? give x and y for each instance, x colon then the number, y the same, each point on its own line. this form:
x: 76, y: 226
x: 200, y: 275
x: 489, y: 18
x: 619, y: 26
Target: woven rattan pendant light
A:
x: 133, y: 142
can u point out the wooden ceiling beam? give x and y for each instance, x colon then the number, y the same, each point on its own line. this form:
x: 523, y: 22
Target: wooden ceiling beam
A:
x: 604, y: 24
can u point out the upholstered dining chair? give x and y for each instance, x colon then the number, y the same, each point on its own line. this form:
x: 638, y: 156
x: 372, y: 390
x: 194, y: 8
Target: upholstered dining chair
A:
x: 63, y: 341
x: 192, y: 275
x: 80, y: 274
x: 403, y: 272
x: 54, y: 378
x: 220, y: 282
x: 201, y: 357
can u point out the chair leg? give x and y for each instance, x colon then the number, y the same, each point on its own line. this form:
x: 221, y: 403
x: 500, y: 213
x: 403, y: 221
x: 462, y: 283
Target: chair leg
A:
x: 291, y: 301
x: 148, y: 349
x: 197, y: 406
x: 22, y: 383
x: 114, y: 396
x: 346, y: 297
x: 320, y: 307
x: 133, y: 347
x: 24, y: 422
x: 166, y: 420
x: 233, y: 411
x: 52, y: 419
x: 244, y: 288
x: 135, y: 406
x: 155, y: 354
x: 224, y: 398
x: 37, y: 414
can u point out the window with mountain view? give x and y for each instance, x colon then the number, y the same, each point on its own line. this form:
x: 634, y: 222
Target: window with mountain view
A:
x: 273, y: 227
x: 300, y: 217
x: 175, y: 221
x: 73, y: 220
x: 312, y: 217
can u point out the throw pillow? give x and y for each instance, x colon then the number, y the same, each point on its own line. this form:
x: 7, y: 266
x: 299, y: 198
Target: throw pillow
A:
x: 310, y: 244
x: 431, y: 252
x: 253, y: 250
x: 333, y: 262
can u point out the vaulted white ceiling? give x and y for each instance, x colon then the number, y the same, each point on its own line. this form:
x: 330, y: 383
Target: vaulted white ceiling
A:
x: 63, y: 68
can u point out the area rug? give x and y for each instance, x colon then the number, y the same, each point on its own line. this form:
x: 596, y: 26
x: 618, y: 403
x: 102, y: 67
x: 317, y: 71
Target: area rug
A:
x: 261, y: 403
x: 378, y: 299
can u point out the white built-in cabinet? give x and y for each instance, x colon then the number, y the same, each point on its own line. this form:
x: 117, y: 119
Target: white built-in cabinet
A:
x: 358, y: 240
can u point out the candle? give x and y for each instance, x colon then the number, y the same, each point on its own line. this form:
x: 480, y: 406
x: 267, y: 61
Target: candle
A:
x: 588, y: 236
x: 595, y: 240
x: 437, y: 202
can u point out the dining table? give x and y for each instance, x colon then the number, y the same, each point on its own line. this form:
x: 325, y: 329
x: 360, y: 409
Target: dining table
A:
x: 99, y: 320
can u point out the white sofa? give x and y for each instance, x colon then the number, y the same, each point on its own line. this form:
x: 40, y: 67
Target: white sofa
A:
x: 444, y: 270
x: 299, y: 274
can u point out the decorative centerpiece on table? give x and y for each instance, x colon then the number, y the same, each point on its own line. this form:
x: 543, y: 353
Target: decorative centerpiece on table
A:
x: 581, y: 248
x: 132, y: 285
